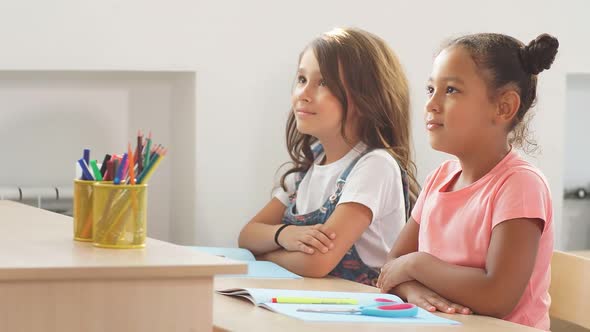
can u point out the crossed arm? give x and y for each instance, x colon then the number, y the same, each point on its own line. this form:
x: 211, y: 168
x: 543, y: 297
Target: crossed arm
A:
x: 310, y: 251
x: 493, y: 290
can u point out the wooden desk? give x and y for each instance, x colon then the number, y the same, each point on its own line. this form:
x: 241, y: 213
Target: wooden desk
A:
x: 48, y: 282
x: 233, y: 314
x: 583, y: 253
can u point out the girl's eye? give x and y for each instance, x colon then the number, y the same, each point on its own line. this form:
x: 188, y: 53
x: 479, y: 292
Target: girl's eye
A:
x: 451, y: 89
x: 429, y: 90
x: 323, y: 82
x: 301, y: 79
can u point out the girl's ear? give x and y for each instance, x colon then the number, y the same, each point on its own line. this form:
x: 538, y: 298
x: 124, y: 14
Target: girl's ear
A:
x: 508, y: 105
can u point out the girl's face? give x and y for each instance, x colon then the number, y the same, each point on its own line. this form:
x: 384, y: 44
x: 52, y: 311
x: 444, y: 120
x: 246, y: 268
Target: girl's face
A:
x: 317, y: 111
x: 459, y: 114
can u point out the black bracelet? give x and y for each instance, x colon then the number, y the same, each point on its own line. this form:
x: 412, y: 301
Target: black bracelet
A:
x: 279, y: 232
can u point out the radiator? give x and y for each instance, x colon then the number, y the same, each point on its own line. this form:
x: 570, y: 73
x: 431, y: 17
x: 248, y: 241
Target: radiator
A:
x: 57, y: 199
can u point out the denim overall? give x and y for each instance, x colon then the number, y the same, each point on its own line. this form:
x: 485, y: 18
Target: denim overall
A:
x: 351, y: 266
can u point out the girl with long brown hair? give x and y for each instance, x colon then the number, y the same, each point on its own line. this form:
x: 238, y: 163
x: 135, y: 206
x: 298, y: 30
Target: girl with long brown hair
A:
x: 348, y: 192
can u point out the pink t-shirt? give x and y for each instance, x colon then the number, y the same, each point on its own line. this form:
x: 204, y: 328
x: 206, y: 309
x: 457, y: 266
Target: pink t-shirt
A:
x: 456, y: 227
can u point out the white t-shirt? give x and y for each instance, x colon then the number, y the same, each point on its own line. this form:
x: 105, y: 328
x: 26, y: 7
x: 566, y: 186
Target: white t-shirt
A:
x: 375, y: 182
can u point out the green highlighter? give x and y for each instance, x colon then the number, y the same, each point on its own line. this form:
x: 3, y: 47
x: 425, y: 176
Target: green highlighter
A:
x: 313, y: 300
x: 95, y: 170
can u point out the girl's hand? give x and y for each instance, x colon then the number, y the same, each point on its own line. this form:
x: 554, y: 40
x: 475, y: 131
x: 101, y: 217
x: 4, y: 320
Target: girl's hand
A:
x: 420, y: 295
x: 307, y: 239
x: 394, y: 273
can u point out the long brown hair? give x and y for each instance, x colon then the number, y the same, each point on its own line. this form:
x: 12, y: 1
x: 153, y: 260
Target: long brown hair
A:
x: 378, y: 90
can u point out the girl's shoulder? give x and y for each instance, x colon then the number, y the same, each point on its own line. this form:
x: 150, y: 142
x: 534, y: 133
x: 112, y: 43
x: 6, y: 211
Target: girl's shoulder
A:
x: 445, y: 169
x: 440, y: 175
x: 517, y: 168
x: 379, y: 157
x: 375, y: 164
x: 380, y: 154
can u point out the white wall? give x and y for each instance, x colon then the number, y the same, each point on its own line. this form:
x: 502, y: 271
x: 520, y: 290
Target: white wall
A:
x: 48, y: 117
x: 245, y: 55
x: 577, y: 134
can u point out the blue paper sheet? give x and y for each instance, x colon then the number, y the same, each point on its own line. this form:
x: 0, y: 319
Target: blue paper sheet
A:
x: 238, y: 254
x: 262, y: 297
x: 256, y: 269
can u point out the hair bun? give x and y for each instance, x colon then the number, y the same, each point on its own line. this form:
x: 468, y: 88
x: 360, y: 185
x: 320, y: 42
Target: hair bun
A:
x: 539, y: 54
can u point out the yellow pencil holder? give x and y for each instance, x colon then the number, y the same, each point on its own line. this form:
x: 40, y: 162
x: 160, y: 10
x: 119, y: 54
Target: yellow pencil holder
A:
x: 83, y: 201
x: 119, y: 215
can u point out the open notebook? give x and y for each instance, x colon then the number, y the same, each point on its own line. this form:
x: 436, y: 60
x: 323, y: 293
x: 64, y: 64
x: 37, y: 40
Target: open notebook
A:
x: 262, y: 297
x: 256, y: 269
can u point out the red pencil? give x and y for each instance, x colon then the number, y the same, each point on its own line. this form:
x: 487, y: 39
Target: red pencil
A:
x: 131, y: 165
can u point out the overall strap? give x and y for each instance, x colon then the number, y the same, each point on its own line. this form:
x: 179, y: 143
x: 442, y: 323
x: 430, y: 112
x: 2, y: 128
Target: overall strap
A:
x: 406, y: 190
x: 344, y: 175
x: 317, y: 150
x: 405, y: 186
x: 404, y: 176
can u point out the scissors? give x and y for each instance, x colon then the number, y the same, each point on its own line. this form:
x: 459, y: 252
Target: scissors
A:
x: 381, y: 308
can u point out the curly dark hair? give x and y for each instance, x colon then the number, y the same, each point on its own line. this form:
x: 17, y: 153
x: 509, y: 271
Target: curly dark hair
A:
x: 506, y: 61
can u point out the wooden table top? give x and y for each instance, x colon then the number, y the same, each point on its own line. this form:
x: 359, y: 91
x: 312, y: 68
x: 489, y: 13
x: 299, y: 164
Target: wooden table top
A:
x: 38, y: 244
x: 233, y: 314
